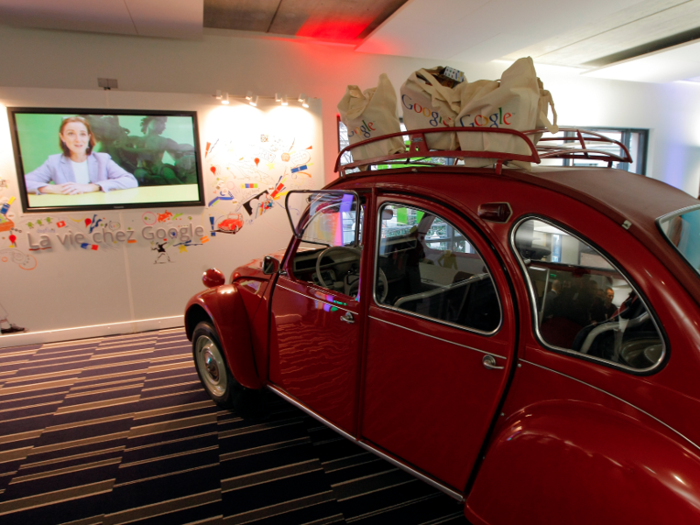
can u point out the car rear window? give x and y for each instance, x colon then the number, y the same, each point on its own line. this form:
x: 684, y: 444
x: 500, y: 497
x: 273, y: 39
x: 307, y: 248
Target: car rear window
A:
x: 583, y: 304
x: 682, y: 230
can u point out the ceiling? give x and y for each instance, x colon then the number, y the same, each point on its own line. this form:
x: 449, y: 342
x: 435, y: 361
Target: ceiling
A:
x: 645, y: 40
x: 332, y: 20
x: 154, y: 18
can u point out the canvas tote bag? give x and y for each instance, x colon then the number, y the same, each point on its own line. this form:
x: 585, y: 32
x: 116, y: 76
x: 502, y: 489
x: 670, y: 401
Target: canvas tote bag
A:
x: 429, y: 104
x: 369, y: 114
x: 517, y: 103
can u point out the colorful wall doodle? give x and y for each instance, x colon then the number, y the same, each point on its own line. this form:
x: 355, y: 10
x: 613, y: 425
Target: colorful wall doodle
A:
x: 251, y: 178
x: 21, y: 259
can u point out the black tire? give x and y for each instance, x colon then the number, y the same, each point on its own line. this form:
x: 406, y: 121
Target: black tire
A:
x: 212, y: 368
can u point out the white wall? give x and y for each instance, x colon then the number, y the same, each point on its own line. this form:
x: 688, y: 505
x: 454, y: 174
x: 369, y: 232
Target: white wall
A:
x: 152, y: 72
x: 68, y: 292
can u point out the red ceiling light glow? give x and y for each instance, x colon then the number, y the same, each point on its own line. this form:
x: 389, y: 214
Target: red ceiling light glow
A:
x: 340, y: 31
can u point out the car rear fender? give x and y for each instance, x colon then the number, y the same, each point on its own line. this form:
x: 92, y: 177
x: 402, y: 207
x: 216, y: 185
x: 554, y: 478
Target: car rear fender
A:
x: 574, y: 462
x: 224, y: 307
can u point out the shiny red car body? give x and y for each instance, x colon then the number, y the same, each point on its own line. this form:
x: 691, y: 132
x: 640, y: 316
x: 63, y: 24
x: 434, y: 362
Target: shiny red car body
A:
x: 543, y: 435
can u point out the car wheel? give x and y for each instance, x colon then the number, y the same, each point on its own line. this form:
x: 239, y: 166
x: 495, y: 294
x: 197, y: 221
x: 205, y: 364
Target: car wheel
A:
x: 212, y: 368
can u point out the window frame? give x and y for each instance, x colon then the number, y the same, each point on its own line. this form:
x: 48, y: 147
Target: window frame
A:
x: 377, y: 250
x: 665, y: 356
x: 639, y: 156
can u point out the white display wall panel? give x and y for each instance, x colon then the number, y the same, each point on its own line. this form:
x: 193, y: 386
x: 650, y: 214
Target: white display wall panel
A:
x: 67, y: 292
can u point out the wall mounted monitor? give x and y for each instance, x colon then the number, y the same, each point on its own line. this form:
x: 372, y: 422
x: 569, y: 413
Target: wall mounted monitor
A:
x: 90, y: 159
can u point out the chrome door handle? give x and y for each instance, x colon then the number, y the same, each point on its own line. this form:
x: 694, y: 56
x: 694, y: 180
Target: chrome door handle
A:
x: 347, y: 318
x: 489, y: 363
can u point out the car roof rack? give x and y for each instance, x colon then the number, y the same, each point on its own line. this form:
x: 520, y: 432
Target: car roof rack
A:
x: 580, y: 144
x: 568, y: 143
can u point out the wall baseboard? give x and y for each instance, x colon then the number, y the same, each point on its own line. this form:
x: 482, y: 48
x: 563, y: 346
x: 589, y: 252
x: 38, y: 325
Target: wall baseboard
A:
x: 86, y: 332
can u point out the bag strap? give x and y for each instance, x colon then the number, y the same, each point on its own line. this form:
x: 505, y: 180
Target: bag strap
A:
x: 546, y: 96
x: 447, y: 94
x: 355, y: 92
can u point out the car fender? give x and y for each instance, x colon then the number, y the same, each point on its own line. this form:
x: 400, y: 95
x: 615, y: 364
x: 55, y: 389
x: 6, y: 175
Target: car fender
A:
x: 225, y: 309
x: 578, y: 463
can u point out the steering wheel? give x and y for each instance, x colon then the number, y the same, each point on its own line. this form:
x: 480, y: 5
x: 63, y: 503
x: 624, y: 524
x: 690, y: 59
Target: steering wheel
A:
x: 381, y: 277
x: 383, y: 287
x: 325, y: 253
x: 358, y: 253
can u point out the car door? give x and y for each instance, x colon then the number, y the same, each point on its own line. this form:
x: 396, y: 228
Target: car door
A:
x: 315, y: 315
x: 440, y: 339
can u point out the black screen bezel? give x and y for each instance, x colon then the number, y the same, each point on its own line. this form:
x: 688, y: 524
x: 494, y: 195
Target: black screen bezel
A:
x: 12, y: 111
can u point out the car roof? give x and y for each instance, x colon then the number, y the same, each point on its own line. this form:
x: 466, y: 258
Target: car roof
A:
x: 633, y: 201
x: 639, y: 199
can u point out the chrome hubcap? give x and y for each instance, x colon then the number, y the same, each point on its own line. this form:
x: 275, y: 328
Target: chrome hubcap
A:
x: 210, y: 363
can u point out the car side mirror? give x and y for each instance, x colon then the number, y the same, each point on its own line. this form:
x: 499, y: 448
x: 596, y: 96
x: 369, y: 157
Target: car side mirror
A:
x: 213, y: 278
x: 270, y: 265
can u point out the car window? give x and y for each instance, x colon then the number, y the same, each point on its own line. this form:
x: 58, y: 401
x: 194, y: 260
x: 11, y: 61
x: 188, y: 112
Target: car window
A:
x: 682, y: 230
x: 332, y: 220
x: 430, y: 268
x: 330, y: 250
x: 582, y: 302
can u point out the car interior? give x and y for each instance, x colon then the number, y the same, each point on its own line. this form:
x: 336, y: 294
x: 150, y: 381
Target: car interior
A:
x: 438, y: 283
x: 412, y: 274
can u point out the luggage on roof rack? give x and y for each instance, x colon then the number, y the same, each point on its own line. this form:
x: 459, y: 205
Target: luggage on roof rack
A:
x: 568, y: 143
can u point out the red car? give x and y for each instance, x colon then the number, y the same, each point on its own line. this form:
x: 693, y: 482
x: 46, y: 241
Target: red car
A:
x: 232, y: 223
x: 526, y: 341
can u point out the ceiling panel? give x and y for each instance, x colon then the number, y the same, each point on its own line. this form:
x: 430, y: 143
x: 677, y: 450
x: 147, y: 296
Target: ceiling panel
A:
x: 335, y: 20
x: 679, y: 63
x: 332, y: 20
x: 167, y: 18
x: 578, y: 33
x: 162, y: 18
x: 105, y: 16
x: 630, y: 28
x: 481, y: 30
x: 243, y: 15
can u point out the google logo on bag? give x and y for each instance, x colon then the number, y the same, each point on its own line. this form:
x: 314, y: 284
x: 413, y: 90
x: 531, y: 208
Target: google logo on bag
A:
x: 365, y: 129
x: 494, y: 120
x: 426, y: 112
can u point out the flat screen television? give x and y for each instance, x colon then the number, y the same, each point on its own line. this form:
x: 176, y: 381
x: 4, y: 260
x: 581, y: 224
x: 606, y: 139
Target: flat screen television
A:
x: 90, y: 159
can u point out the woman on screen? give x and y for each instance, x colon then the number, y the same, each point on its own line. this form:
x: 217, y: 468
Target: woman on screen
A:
x: 78, y: 169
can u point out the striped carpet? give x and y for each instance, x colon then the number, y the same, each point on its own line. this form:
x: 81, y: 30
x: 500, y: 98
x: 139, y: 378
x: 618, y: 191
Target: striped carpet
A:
x: 119, y: 430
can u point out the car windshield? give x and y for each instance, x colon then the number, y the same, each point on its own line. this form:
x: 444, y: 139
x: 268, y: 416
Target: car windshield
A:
x: 324, y: 217
x: 682, y: 229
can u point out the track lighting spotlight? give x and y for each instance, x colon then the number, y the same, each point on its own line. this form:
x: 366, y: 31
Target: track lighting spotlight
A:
x: 253, y: 99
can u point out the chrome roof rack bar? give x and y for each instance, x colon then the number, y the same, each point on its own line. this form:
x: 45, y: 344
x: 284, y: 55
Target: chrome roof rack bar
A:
x: 417, y: 150
x: 572, y: 143
x: 577, y: 143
